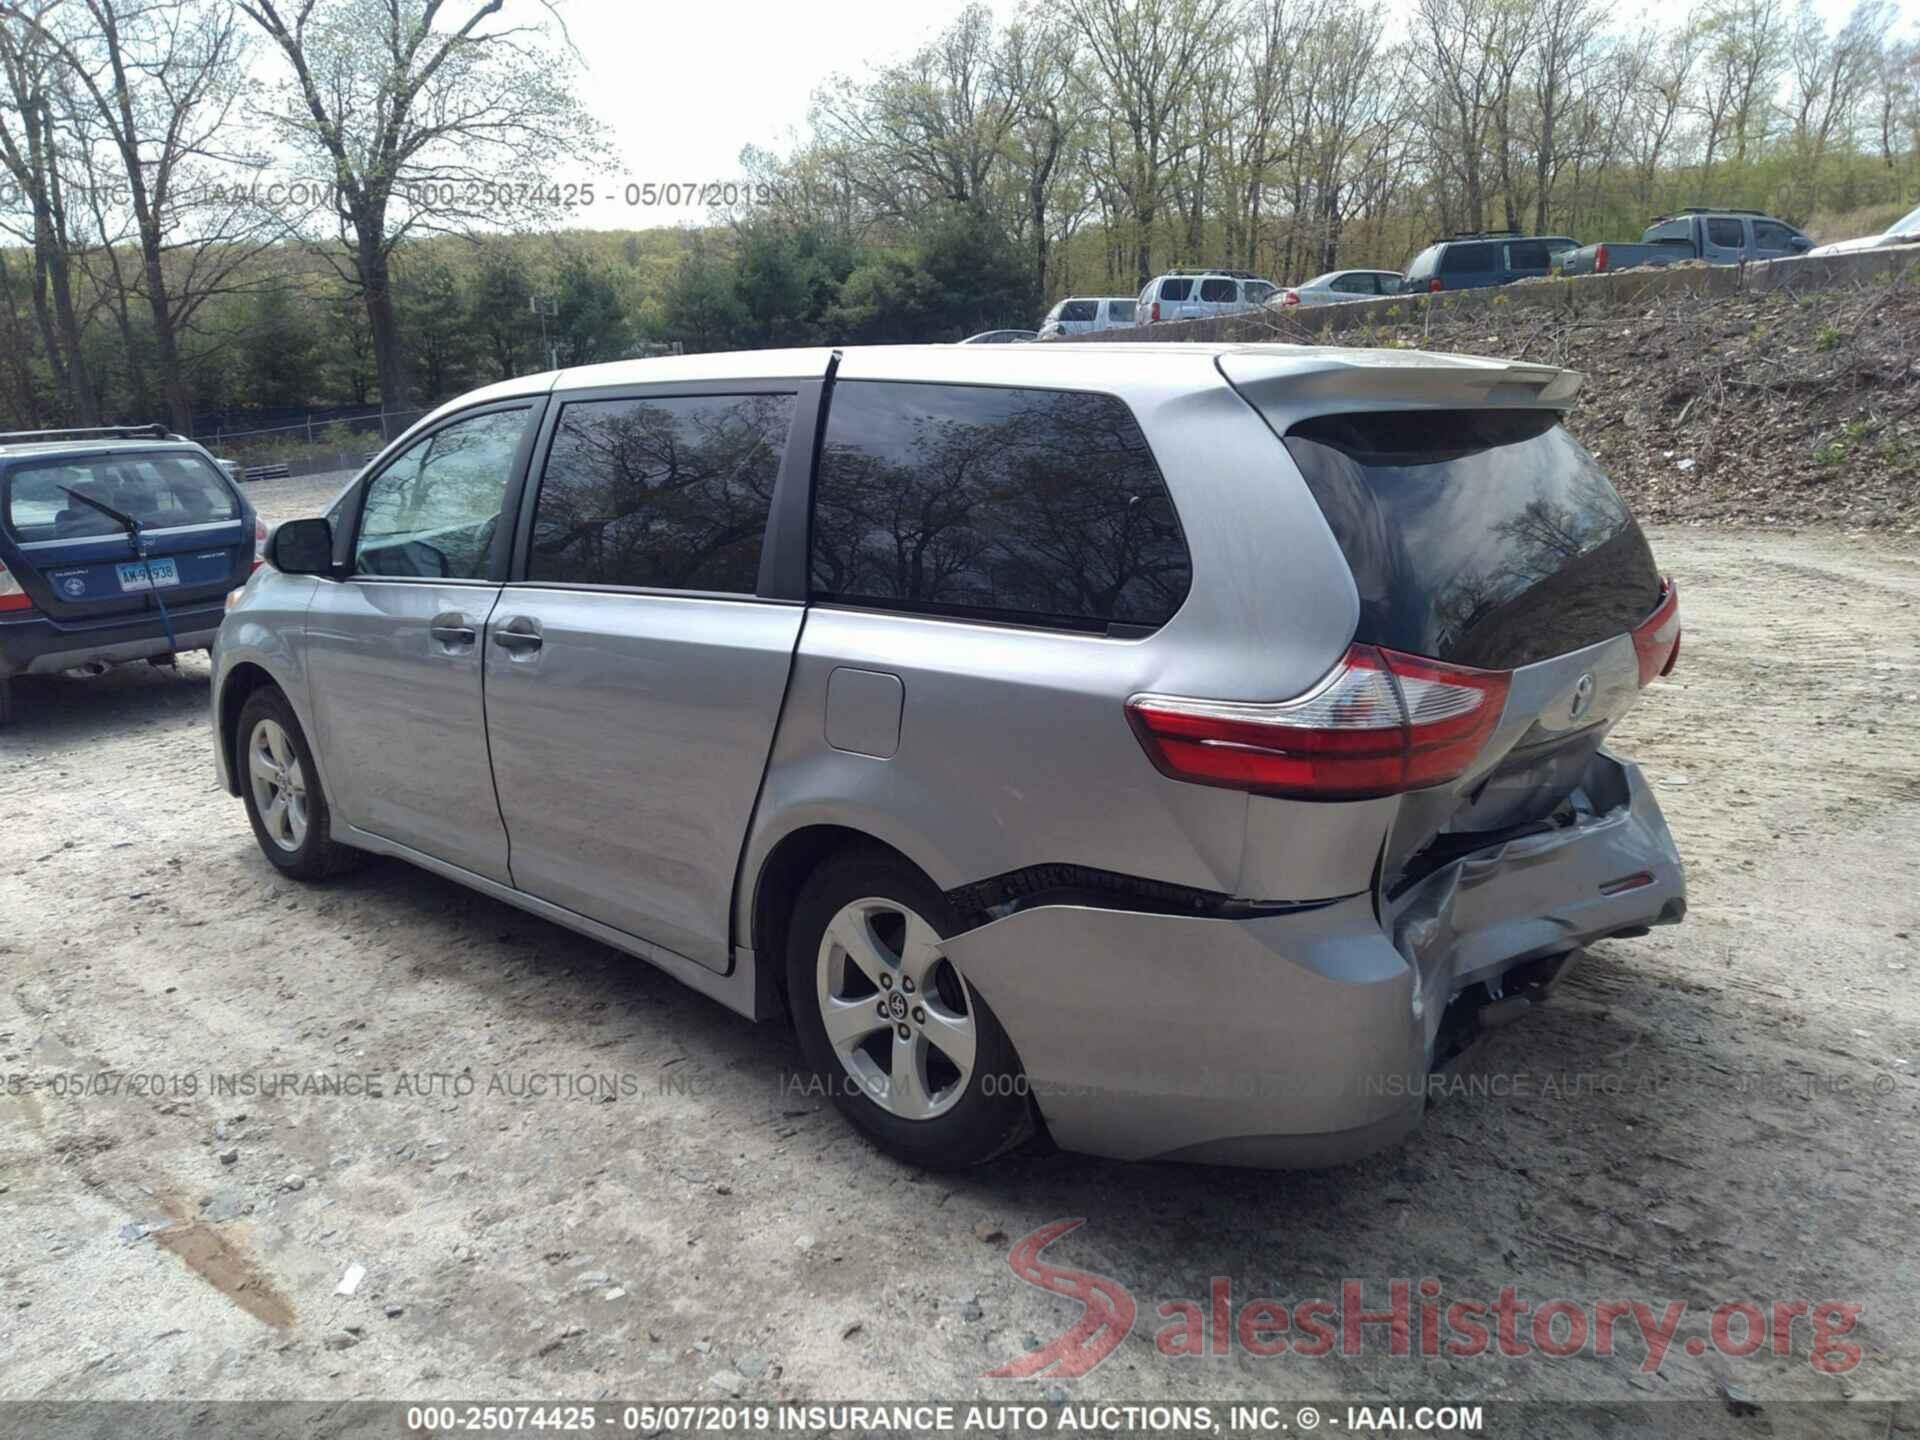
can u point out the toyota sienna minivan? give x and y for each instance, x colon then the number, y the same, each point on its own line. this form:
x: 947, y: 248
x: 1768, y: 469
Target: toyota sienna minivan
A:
x: 1173, y: 750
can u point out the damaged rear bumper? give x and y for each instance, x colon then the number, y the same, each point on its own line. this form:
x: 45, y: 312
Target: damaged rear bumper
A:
x: 1301, y: 1037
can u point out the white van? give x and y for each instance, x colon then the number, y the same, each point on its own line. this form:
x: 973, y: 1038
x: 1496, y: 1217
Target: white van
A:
x: 1082, y: 313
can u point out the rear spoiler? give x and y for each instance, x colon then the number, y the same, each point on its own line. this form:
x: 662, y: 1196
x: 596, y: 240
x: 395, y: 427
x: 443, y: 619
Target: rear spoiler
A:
x: 1303, y: 380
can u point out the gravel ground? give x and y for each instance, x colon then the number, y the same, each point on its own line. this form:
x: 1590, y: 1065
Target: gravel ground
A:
x: 1725, y: 1111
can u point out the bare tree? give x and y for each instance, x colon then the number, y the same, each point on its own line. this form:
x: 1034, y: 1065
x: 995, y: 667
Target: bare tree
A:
x: 408, y: 103
x: 31, y: 150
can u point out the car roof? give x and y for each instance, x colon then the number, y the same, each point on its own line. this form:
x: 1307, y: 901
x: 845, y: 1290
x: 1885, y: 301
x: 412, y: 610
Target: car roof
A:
x: 55, y: 449
x: 1042, y: 365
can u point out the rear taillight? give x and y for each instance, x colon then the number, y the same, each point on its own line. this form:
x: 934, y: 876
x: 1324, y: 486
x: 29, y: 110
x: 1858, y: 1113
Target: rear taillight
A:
x: 1599, y: 259
x: 1290, y: 297
x: 1433, y: 286
x: 1379, y: 723
x: 1153, y: 311
x: 259, y: 542
x: 12, y: 597
x: 1656, y: 639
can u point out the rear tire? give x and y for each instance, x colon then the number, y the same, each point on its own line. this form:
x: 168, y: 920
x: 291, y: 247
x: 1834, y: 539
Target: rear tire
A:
x: 282, y: 792
x: 910, y: 1052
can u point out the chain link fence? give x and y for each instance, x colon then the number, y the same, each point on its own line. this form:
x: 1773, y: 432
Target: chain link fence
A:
x: 316, y: 444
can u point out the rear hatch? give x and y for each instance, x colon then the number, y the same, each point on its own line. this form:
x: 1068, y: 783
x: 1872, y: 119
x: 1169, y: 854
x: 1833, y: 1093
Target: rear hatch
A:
x: 79, y: 563
x: 1483, y: 536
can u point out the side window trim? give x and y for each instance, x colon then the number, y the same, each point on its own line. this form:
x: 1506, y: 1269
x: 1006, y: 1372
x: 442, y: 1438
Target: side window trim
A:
x: 353, y: 505
x: 783, y: 554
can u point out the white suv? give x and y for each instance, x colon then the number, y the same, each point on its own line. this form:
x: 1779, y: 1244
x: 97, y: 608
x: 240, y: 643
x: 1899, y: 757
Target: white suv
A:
x: 1080, y: 314
x: 1197, y: 294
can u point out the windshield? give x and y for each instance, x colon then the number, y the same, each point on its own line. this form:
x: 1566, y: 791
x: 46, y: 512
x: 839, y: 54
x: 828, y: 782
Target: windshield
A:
x: 159, y: 490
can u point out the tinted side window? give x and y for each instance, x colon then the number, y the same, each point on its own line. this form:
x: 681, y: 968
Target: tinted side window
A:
x: 1258, y: 291
x: 1033, y: 505
x: 1528, y: 255
x: 433, y: 511
x: 1080, y: 310
x: 1467, y: 259
x: 1218, y: 292
x: 1772, y: 235
x: 1176, y: 289
x: 1727, y: 232
x: 1352, y: 284
x: 1120, y: 311
x: 669, y: 493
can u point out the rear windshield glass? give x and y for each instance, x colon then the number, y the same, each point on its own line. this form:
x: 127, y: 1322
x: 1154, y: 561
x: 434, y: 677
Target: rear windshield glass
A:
x: 159, y: 491
x: 1484, y: 537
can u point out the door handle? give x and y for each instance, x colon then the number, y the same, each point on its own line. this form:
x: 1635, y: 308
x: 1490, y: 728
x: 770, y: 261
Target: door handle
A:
x: 518, y: 640
x: 453, y: 634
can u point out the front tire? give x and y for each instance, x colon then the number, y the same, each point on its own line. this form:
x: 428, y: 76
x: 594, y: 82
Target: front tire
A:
x: 910, y: 1052
x: 281, y: 788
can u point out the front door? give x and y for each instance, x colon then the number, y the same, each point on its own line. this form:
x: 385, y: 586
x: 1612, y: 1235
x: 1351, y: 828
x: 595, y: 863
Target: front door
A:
x: 635, y: 670
x: 394, y: 650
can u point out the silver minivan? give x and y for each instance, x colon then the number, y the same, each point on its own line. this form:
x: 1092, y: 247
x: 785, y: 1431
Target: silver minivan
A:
x: 1171, y: 750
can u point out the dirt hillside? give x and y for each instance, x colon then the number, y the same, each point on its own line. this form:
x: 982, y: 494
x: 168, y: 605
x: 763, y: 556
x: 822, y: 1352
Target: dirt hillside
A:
x: 1774, y: 409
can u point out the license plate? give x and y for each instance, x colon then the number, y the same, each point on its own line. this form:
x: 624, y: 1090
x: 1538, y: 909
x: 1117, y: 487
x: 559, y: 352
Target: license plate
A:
x: 148, y: 574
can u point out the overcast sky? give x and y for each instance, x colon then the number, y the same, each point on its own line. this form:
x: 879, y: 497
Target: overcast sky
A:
x: 683, y: 86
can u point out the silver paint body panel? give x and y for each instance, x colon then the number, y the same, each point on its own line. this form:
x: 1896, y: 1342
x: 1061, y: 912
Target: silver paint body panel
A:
x: 655, y: 750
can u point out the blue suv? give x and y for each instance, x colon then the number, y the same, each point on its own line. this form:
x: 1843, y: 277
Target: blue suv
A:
x: 116, y: 544
x: 1484, y: 258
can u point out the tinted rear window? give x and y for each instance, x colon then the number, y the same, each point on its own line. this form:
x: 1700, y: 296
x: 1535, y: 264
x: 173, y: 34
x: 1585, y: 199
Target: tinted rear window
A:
x: 159, y: 491
x: 1218, y: 292
x: 1040, y: 506
x: 1485, y: 537
x: 1175, y: 289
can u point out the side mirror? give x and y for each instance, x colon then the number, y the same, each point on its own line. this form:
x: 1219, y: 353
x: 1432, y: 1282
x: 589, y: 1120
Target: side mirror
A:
x: 301, y: 547
x: 1800, y: 244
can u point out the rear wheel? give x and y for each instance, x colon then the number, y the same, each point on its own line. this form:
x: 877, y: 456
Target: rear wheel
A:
x: 282, y: 793
x: 910, y: 1051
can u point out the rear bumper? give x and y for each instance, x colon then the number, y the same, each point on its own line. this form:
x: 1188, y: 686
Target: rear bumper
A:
x: 1301, y: 1037
x: 37, y: 644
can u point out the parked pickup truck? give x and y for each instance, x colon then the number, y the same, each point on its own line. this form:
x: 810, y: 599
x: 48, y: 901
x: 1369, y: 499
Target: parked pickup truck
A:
x: 1721, y: 237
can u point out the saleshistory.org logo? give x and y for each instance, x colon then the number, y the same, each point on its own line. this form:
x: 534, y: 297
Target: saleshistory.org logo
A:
x: 1428, y: 1326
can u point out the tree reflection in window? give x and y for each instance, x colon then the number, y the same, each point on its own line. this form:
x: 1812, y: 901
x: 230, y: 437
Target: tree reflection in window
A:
x: 1040, y: 505
x: 668, y: 493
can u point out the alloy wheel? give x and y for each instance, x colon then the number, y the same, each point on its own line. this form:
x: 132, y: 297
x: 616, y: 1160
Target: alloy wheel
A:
x: 896, y: 1010
x: 279, y: 785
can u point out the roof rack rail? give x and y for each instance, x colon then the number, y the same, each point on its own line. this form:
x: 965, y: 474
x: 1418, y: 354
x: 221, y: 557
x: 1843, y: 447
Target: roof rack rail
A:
x: 92, y: 432
x: 1215, y: 270
x: 1480, y: 235
x: 1708, y: 210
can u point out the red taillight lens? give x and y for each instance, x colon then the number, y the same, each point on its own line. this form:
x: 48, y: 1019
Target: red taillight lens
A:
x: 1154, y: 314
x: 259, y: 542
x: 1599, y: 259
x: 1433, y: 286
x: 12, y: 597
x: 1656, y: 639
x: 1379, y: 723
x: 1292, y: 297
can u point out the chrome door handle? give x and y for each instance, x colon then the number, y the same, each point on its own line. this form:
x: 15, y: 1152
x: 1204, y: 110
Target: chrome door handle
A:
x: 452, y: 634
x: 516, y: 640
